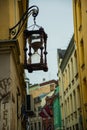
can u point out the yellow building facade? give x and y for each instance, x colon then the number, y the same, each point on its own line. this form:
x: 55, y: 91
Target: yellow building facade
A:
x: 12, y: 86
x: 80, y: 31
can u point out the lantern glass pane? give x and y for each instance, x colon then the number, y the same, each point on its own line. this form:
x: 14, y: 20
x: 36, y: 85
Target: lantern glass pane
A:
x: 35, y: 58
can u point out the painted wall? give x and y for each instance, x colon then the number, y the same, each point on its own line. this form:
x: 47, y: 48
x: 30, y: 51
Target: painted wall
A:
x: 80, y: 30
x: 12, y: 87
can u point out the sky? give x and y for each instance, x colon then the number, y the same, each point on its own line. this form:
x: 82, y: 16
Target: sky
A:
x: 56, y: 17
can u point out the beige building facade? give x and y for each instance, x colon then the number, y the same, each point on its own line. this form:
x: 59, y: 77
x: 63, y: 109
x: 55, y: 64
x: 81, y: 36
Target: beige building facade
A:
x: 12, y: 86
x: 70, y: 98
x: 35, y: 123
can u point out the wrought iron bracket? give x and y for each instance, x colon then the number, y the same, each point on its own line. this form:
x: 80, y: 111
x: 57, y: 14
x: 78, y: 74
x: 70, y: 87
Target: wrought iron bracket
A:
x: 15, y: 30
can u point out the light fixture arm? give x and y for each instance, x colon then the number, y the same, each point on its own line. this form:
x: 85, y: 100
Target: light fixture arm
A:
x: 15, y: 30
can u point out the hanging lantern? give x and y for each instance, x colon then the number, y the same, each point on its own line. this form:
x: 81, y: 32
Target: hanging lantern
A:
x: 37, y: 41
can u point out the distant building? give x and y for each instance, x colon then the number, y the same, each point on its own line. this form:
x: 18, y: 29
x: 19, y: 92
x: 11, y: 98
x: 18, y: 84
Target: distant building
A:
x: 50, y: 111
x: 70, y: 93
x: 39, y: 93
x: 46, y: 112
x: 42, y: 88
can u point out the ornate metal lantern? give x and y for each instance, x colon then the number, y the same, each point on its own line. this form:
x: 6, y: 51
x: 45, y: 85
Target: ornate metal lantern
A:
x: 37, y: 42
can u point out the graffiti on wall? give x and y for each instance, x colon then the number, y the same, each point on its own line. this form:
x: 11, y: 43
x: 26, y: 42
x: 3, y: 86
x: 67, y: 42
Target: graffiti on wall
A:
x: 4, y: 103
x: 5, y: 116
x: 4, y: 87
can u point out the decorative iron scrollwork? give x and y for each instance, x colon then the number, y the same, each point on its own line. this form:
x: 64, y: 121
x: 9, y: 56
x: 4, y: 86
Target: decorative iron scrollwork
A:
x: 15, y: 30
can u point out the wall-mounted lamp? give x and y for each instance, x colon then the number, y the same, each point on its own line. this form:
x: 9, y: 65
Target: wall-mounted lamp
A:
x: 36, y: 48
x: 36, y: 39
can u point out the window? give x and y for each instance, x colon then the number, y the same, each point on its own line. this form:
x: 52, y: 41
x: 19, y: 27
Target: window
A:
x: 78, y: 96
x: 72, y: 70
x: 74, y: 95
x: 75, y: 58
x: 35, y: 125
x: 51, y: 87
x: 69, y: 76
x: 82, y: 52
x: 39, y: 126
x: 79, y: 14
x: 71, y: 103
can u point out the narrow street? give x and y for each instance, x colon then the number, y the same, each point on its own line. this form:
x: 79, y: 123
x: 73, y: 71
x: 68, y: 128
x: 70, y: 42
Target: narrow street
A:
x: 43, y: 65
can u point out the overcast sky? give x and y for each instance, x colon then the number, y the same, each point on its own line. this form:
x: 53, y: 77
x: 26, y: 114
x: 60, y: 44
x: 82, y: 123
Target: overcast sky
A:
x: 56, y: 17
